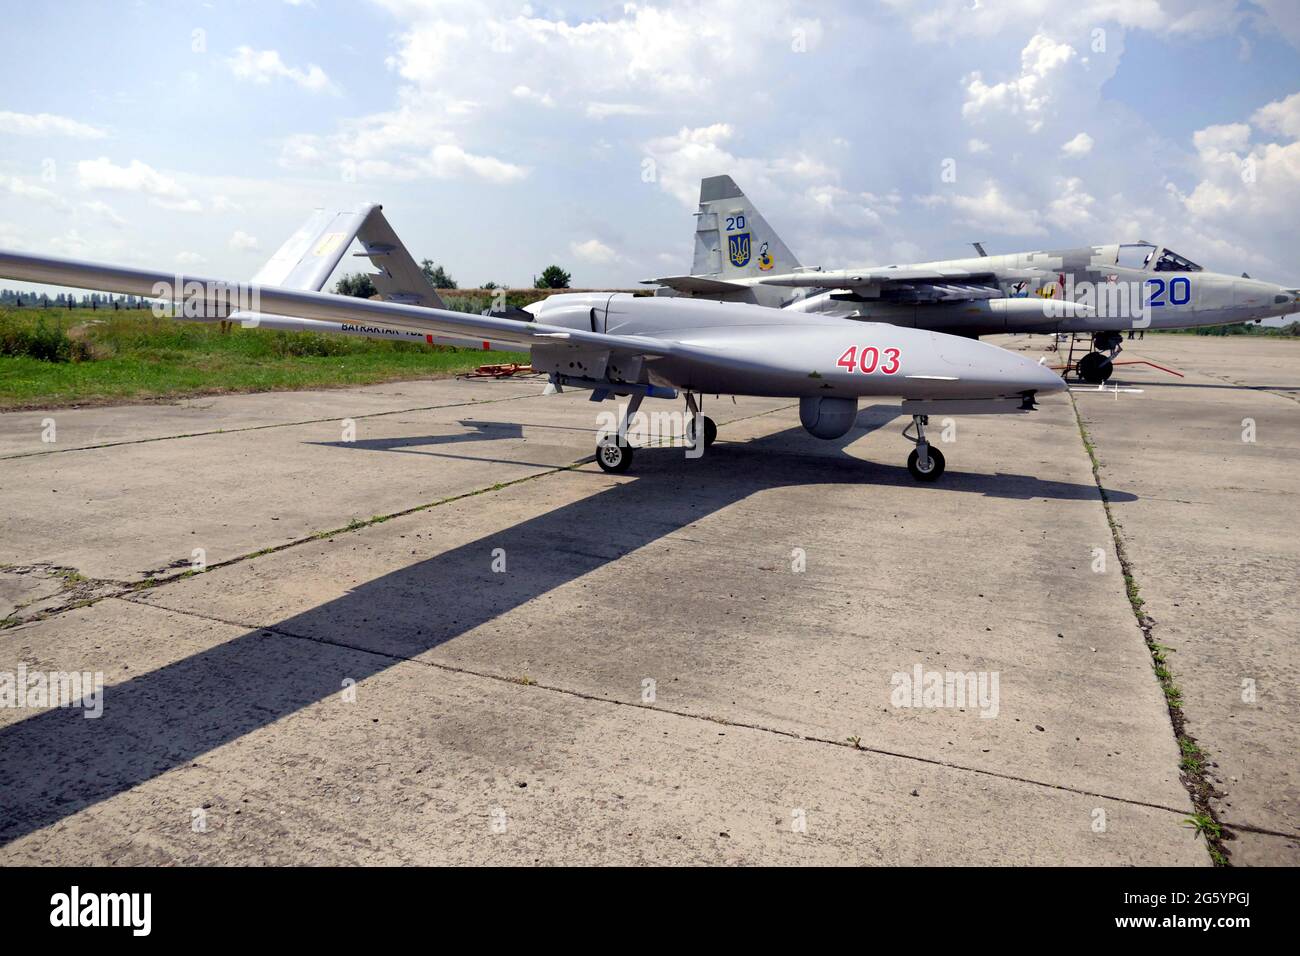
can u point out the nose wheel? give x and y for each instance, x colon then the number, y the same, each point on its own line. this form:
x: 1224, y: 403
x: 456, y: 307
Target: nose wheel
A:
x: 1099, y: 365
x: 1095, y: 368
x: 925, y: 462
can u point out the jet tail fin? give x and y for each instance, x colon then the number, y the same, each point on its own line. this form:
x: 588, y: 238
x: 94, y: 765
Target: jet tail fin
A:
x: 732, y: 239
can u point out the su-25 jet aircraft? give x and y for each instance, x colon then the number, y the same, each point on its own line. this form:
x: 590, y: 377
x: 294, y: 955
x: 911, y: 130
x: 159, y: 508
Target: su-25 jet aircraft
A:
x: 1106, y: 290
x: 615, y: 344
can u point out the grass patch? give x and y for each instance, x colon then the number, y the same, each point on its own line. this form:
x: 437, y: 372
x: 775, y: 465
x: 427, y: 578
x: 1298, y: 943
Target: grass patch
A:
x: 53, y: 357
x: 1192, y: 760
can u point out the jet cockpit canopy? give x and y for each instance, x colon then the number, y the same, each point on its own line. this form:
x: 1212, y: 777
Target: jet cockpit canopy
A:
x: 1145, y: 255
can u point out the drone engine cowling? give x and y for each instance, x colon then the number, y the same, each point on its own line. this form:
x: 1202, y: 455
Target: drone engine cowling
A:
x: 826, y: 417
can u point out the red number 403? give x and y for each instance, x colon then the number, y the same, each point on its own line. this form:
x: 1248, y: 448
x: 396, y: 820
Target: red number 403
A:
x: 869, y: 360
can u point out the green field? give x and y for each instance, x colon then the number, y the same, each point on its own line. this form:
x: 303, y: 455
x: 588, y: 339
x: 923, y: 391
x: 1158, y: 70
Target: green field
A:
x: 1289, y: 330
x: 58, y: 357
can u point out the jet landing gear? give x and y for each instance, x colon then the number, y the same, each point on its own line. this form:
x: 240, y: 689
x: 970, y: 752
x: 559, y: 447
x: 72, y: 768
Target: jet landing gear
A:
x: 925, y: 462
x: 1095, y: 368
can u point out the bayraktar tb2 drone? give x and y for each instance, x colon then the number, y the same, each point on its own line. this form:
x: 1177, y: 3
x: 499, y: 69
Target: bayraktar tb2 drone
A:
x: 614, y: 344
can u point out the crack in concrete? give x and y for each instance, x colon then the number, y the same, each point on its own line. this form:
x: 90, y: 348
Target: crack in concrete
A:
x: 1192, y: 770
x: 123, y: 588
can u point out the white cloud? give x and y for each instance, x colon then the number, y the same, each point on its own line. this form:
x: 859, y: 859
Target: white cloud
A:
x: 1027, y: 94
x: 1213, y: 141
x: 1072, y: 207
x: 445, y: 161
x: 522, y: 92
x: 956, y: 20
x: 977, y: 146
x: 263, y: 66
x: 1242, y: 182
x: 25, y: 190
x: 241, y: 241
x: 600, y: 111
x: 1281, y: 117
x: 47, y: 124
x: 593, y: 251
x: 1282, y: 16
x: 1081, y: 145
x: 189, y: 259
x: 163, y: 190
x: 402, y: 144
x: 684, y: 158
x: 991, y: 211
x: 10, y: 238
x: 105, y: 211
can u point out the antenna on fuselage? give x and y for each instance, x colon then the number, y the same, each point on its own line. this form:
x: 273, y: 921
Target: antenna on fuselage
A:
x: 979, y: 247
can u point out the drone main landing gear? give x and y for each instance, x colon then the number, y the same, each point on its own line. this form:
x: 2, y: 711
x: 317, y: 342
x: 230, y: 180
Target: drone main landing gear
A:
x: 613, y: 453
x: 692, y: 416
x: 925, y: 462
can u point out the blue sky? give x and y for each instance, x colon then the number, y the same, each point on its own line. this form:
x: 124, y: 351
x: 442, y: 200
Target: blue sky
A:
x: 501, y: 137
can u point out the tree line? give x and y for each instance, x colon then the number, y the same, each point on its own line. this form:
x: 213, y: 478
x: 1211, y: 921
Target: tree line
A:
x: 356, y: 284
x: 363, y: 287
x: 64, y: 300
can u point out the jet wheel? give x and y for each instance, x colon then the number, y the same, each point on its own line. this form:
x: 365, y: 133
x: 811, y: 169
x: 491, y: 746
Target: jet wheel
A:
x: 1095, y: 368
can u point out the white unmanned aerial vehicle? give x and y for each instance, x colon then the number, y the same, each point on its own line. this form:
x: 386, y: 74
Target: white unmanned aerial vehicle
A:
x: 614, y: 344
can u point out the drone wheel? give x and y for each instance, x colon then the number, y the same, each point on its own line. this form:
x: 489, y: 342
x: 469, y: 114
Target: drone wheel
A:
x: 613, y: 455
x: 710, y: 431
x: 936, y: 465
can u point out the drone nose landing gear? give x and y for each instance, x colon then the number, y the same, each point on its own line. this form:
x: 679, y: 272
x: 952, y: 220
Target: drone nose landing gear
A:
x: 692, y: 417
x: 925, y: 462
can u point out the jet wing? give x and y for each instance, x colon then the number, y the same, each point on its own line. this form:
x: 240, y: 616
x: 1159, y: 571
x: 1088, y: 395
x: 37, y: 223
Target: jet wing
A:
x: 907, y: 285
x: 221, y: 295
x: 697, y: 285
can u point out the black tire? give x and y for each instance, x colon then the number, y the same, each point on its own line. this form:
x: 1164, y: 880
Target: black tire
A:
x: 710, y: 431
x: 1095, y: 368
x: 936, y: 465
x: 613, y: 456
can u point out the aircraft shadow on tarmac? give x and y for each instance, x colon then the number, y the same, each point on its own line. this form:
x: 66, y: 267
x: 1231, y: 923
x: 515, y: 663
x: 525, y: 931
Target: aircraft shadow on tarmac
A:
x: 56, y: 763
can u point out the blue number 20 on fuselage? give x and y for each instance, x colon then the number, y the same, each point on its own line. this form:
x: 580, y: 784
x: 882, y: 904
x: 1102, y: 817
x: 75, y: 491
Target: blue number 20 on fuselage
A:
x: 1179, y: 289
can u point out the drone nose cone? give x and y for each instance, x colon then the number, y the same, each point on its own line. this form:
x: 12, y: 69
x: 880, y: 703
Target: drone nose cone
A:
x: 996, y: 369
x: 1043, y: 379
